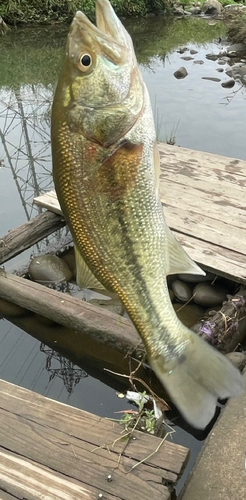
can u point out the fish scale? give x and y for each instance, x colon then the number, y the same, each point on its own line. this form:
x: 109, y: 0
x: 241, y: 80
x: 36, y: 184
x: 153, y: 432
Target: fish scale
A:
x: 106, y: 168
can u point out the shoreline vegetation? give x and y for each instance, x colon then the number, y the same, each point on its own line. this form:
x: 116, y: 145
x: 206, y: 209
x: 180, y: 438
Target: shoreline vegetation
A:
x: 33, y: 12
x: 55, y: 12
x: 60, y: 11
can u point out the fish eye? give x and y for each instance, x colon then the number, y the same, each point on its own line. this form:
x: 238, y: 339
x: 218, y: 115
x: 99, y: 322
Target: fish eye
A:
x: 85, y: 62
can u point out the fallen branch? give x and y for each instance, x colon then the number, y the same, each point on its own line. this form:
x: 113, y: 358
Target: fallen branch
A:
x: 226, y: 328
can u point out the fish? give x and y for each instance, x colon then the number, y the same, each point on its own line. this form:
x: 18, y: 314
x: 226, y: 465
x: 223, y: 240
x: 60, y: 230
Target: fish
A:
x: 106, y: 175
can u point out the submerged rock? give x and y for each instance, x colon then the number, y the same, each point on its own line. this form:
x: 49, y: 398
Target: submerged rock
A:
x: 182, y: 50
x: 211, y: 78
x: 238, y: 72
x: 238, y: 359
x: 193, y: 51
x: 209, y: 295
x: 181, y: 290
x: 49, y: 269
x: 187, y: 58
x: 180, y: 73
x: 189, y: 314
x: 212, y: 57
x: 69, y: 258
x: 228, y: 84
x: 198, y: 61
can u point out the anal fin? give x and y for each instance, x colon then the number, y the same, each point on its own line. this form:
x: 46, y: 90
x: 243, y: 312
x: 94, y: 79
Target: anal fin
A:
x: 178, y: 260
x: 84, y: 277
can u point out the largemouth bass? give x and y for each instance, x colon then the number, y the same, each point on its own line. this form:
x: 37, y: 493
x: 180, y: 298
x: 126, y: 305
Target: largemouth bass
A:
x: 106, y: 174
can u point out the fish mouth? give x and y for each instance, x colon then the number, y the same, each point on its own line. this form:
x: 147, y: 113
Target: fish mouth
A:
x: 108, y: 36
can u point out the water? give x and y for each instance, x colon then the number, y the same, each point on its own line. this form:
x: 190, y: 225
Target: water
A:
x: 194, y: 113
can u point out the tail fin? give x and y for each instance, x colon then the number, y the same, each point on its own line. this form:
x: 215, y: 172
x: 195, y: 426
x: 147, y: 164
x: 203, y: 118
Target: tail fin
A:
x: 197, y: 379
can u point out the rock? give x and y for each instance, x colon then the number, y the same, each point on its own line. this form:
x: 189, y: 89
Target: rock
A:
x: 196, y: 278
x: 69, y: 258
x: 178, y: 11
x: 211, y: 78
x: 171, y: 294
x: 238, y: 359
x: 208, y: 295
x: 220, y: 70
x: 212, y: 7
x: 238, y: 72
x: 180, y: 73
x: 182, y: 50
x: 229, y: 72
x: 236, y: 7
x: 240, y: 48
x: 189, y: 314
x: 195, y: 11
x: 187, y: 58
x: 198, y: 61
x: 193, y: 51
x: 49, y: 269
x: 221, y: 62
x: 182, y: 290
x: 212, y: 57
x: 228, y: 84
x: 232, y: 54
x: 224, y: 58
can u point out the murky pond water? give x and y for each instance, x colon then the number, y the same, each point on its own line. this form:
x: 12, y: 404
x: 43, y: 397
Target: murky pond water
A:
x: 193, y: 112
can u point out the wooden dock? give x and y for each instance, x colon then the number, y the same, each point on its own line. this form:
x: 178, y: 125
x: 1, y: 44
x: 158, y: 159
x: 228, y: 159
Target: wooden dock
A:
x: 53, y: 451
x: 46, y: 447
x: 203, y: 196
x: 203, y: 201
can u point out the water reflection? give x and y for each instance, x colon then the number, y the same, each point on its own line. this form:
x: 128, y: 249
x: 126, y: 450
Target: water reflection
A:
x: 25, y: 137
x: 61, y: 367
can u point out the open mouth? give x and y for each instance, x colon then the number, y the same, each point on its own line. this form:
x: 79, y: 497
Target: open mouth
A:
x: 109, y: 34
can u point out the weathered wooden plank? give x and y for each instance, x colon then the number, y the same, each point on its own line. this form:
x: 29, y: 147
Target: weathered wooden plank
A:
x: 194, y: 201
x: 96, y: 431
x: 6, y: 496
x: 204, y: 204
x: 19, y: 239
x: 199, y: 159
x: 104, y: 326
x: 206, y: 228
x: 215, y: 258
x: 27, y: 479
x: 55, y: 445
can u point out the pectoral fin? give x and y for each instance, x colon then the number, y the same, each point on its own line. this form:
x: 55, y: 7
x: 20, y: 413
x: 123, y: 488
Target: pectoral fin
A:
x: 84, y: 277
x: 178, y: 258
